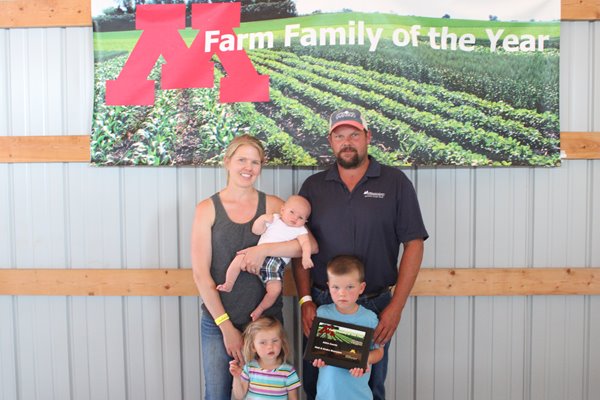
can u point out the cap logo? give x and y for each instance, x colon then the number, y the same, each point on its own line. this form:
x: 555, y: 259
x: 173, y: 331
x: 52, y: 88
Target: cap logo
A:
x: 350, y: 115
x: 346, y: 114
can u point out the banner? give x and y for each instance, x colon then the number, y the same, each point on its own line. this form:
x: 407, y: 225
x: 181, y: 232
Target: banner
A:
x: 463, y: 83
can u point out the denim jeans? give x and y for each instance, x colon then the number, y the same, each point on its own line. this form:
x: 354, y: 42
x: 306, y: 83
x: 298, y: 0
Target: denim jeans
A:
x: 215, y: 361
x: 378, y: 371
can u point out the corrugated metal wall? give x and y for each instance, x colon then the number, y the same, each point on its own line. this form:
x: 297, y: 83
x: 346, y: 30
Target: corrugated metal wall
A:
x: 77, y: 216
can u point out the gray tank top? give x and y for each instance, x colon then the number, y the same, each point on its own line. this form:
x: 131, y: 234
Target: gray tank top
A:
x: 227, y: 238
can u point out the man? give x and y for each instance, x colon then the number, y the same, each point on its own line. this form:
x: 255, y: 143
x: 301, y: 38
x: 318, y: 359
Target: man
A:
x: 365, y: 209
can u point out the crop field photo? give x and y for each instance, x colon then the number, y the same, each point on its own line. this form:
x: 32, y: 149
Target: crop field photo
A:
x: 442, y: 89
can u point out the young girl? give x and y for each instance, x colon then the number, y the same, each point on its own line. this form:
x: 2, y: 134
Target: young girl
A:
x: 266, y: 373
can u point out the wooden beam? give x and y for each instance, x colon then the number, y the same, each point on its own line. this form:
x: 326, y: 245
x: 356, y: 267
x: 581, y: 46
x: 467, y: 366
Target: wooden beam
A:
x: 580, y: 145
x: 97, y: 282
x: 507, y: 282
x: 39, y: 13
x: 583, y: 10
x: 15, y: 149
x: 179, y: 282
x: 45, y: 13
x: 105, y: 282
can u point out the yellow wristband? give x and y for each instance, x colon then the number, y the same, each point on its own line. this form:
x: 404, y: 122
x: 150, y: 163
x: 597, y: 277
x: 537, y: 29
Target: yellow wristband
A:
x: 221, y: 319
x: 304, y: 299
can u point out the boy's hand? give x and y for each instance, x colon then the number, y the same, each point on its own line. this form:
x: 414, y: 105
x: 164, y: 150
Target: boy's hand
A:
x: 234, y: 368
x: 319, y: 363
x: 358, y: 372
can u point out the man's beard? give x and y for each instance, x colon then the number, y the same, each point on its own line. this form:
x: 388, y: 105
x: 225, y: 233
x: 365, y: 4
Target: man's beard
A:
x: 348, y: 163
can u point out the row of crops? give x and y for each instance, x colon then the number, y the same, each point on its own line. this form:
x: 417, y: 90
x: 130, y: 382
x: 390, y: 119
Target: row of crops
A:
x: 523, y: 80
x: 413, y: 123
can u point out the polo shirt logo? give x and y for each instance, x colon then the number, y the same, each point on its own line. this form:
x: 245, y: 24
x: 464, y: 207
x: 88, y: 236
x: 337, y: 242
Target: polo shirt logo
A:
x: 373, y: 195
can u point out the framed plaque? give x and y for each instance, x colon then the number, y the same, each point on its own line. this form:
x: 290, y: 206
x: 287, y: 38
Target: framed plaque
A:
x: 340, y: 344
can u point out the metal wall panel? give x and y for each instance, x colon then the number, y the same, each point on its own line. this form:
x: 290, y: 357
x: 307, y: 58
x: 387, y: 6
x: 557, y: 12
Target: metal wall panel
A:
x: 77, y: 216
x: 579, y: 84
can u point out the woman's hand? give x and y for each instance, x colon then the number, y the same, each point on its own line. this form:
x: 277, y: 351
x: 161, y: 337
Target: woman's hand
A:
x: 232, y: 339
x: 253, y: 259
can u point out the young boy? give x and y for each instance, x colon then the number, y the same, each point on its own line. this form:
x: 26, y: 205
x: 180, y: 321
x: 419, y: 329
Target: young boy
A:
x: 275, y: 228
x: 346, y: 282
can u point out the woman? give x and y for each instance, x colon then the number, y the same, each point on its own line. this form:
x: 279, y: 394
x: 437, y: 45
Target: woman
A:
x: 223, y: 226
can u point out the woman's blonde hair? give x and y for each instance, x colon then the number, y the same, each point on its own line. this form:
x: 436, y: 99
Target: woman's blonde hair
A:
x: 261, y: 324
x: 244, y: 140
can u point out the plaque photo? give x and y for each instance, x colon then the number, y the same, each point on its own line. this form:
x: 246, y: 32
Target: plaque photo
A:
x: 339, y: 344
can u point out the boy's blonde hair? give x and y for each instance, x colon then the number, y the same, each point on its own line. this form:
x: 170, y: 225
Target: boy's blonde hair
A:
x: 261, y: 324
x: 344, y: 264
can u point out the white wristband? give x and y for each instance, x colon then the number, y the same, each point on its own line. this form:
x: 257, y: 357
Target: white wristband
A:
x: 304, y: 299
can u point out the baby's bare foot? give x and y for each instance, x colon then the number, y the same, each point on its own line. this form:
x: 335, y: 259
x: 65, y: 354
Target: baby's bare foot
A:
x: 256, y: 313
x: 224, y: 287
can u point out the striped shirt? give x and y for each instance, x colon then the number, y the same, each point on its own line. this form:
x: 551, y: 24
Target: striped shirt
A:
x: 270, y: 384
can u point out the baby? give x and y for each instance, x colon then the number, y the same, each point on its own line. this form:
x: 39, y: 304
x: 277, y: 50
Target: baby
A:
x: 282, y: 227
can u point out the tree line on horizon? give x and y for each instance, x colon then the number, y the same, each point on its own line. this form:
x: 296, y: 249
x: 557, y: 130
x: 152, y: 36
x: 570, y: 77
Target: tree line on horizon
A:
x: 121, y: 17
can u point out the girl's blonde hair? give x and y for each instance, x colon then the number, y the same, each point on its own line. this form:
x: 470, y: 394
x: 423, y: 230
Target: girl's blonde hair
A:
x: 261, y: 324
x: 244, y: 140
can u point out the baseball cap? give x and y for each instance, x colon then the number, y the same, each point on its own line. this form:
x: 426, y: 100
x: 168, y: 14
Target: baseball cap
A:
x: 347, y: 116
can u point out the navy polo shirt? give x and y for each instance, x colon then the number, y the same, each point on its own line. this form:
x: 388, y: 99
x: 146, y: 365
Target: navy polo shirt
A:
x: 370, y: 222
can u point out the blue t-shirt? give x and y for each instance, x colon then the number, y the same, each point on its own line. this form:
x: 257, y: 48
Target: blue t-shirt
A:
x: 370, y: 222
x: 337, y: 383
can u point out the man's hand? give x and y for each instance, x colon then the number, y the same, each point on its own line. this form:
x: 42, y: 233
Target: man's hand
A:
x: 309, y: 312
x: 389, y: 319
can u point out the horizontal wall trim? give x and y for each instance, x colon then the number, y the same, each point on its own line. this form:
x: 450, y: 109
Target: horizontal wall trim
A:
x: 16, y: 149
x: 580, y: 145
x: 26, y: 149
x: 583, y: 10
x: 179, y: 282
x: 47, y: 13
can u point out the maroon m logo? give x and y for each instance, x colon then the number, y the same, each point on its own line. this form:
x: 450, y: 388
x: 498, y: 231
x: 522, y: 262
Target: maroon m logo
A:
x: 186, y: 67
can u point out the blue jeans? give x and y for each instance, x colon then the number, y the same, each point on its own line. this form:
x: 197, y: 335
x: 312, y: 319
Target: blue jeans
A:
x: 215, y: 361
x: 378, y: 371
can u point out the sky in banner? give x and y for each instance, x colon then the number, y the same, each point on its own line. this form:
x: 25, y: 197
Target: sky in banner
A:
x: 506, y: 10
x: 541, y: 10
